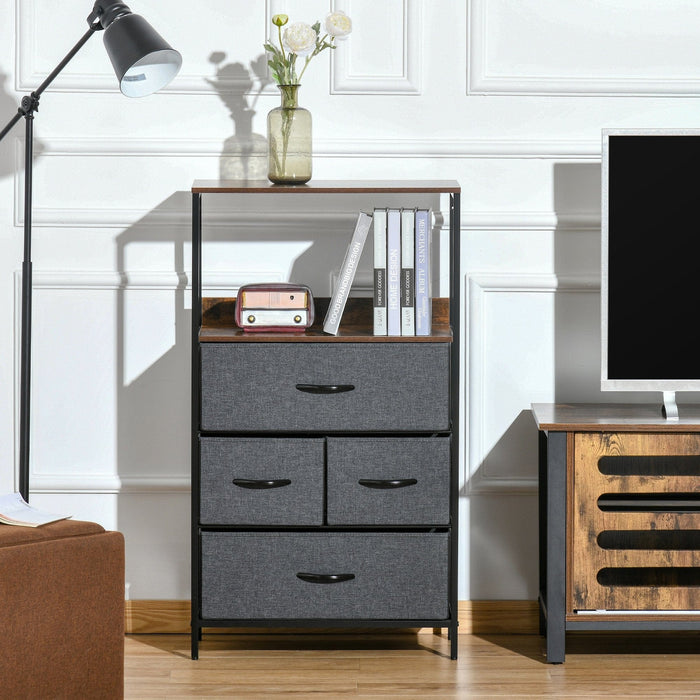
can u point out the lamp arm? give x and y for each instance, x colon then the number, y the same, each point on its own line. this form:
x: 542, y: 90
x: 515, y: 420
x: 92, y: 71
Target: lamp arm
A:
x: 30, y: 103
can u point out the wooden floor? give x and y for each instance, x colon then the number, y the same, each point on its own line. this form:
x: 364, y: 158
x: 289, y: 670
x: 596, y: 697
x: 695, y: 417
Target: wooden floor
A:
x: 411, y: 666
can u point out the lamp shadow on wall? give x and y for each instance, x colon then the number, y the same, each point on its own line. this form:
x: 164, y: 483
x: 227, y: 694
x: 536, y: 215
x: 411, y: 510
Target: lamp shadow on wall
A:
x: 9, y: 104
x: 8, y: 108
x: 506, y: 544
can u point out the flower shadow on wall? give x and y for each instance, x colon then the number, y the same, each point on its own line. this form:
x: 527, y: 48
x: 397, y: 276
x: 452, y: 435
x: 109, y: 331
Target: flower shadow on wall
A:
x: 244, y: 155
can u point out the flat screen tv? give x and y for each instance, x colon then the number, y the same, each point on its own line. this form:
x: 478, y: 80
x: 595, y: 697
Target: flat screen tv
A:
x: 650, y: 263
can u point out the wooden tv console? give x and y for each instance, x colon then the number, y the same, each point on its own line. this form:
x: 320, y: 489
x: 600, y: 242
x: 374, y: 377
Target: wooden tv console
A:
x: 619, y: 519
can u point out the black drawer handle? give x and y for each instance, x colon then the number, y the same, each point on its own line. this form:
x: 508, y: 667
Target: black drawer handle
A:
x: 325, y: 388
x: 325, y: 578
x: 261, y: 483
x: 387, y: 483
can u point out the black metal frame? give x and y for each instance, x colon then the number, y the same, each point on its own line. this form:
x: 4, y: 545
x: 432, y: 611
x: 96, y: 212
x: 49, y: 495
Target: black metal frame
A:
x: 452, y: 622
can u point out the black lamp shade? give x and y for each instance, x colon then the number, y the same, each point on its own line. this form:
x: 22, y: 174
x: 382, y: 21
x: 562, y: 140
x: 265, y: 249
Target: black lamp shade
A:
x: 143, y: 61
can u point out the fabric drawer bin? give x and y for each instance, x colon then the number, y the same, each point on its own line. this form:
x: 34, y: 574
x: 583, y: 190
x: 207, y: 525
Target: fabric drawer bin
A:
x: 261, y: 481
x: 287, y: 575
x: 325, y: 386
x: 388, y: 481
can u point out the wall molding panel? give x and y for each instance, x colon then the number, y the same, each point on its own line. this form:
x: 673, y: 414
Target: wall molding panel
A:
x: 344, y: 81
x: 104, y: 480
x: 79, y: 483
x: 591, y: 53
x: 478, y: 287
x: 555, y: 149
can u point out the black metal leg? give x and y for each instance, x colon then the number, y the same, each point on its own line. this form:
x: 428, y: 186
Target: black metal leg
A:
x: 556, y: 547
x: 543, y: 619
x: 542, y: 536
x: 454, y: 639
x: 195, y: 639
x: 195, y: 391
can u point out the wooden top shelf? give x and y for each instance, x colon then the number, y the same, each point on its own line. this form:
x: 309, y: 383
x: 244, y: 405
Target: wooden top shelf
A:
x: 603, y: 417
x: 347, y: 334
x: 326, y: 186
x: 219, y: 326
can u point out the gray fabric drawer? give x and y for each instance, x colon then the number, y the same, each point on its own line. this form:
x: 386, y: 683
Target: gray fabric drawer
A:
x: 253, y: 386
x: 254, y: 575
x: 265, y: 463
x: 361, y: 469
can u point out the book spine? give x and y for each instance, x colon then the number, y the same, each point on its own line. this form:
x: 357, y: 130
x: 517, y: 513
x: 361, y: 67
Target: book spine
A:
x: 423, y: 288
x: 380, y: 327
x: 408, y: 313
x: 348, y: 269
x: 393, y: 271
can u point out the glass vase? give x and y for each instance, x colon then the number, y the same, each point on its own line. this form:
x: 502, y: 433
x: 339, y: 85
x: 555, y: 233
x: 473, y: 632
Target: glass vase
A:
x: 289, y: 140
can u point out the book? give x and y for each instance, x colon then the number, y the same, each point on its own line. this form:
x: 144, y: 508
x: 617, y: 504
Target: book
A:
x: 331, y: 322
x: 379, y: 304
x: 393, y: 271
x: 424, y: 302
x: 14, y: 510
x: 408, y: 312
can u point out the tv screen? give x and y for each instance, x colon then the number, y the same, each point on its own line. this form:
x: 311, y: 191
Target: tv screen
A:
x: 650, y: 284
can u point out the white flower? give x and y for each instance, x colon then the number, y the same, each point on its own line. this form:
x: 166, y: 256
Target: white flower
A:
x: 338, y: 24
x: 299, y: 38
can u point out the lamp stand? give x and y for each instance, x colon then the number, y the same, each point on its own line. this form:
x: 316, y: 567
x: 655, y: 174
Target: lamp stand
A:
x: 30, y: 105
x: 144, y: 63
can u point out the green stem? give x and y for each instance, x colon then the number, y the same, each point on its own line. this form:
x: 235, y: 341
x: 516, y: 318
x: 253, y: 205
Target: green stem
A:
x: 289, y: 103
x: 286, y: 63
x: 316, y: 51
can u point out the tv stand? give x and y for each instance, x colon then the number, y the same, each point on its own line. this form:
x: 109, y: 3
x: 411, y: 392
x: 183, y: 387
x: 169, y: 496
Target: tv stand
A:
x: 619, y: 519
x: 670, y: 408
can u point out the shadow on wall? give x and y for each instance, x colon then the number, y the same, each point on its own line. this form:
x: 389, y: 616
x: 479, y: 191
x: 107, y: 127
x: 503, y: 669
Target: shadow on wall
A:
x: 153, y: 352
x: 244, y: 154
x: 503, y: 509
x: 9, y: 104
x: 8, y: 109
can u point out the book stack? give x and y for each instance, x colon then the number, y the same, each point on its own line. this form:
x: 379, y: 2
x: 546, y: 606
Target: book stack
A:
x: 402, y: 296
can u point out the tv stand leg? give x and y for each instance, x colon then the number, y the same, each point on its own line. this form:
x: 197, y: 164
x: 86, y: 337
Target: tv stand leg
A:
x: 670, y: 409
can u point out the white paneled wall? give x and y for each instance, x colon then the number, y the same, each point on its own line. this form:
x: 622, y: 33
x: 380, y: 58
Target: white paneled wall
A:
x: 506, y: 96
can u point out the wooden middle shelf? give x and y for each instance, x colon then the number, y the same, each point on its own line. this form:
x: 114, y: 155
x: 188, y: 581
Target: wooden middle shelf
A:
x: 218, y: 325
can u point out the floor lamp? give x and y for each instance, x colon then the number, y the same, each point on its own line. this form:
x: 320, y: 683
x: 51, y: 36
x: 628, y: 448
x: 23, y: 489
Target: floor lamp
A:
x: 144, y: 63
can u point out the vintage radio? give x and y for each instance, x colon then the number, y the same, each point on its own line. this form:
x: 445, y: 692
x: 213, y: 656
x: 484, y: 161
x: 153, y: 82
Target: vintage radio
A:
x: 274, y: 307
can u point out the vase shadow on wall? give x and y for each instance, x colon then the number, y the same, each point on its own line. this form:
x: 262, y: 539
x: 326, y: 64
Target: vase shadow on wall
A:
x: 244, y: 155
